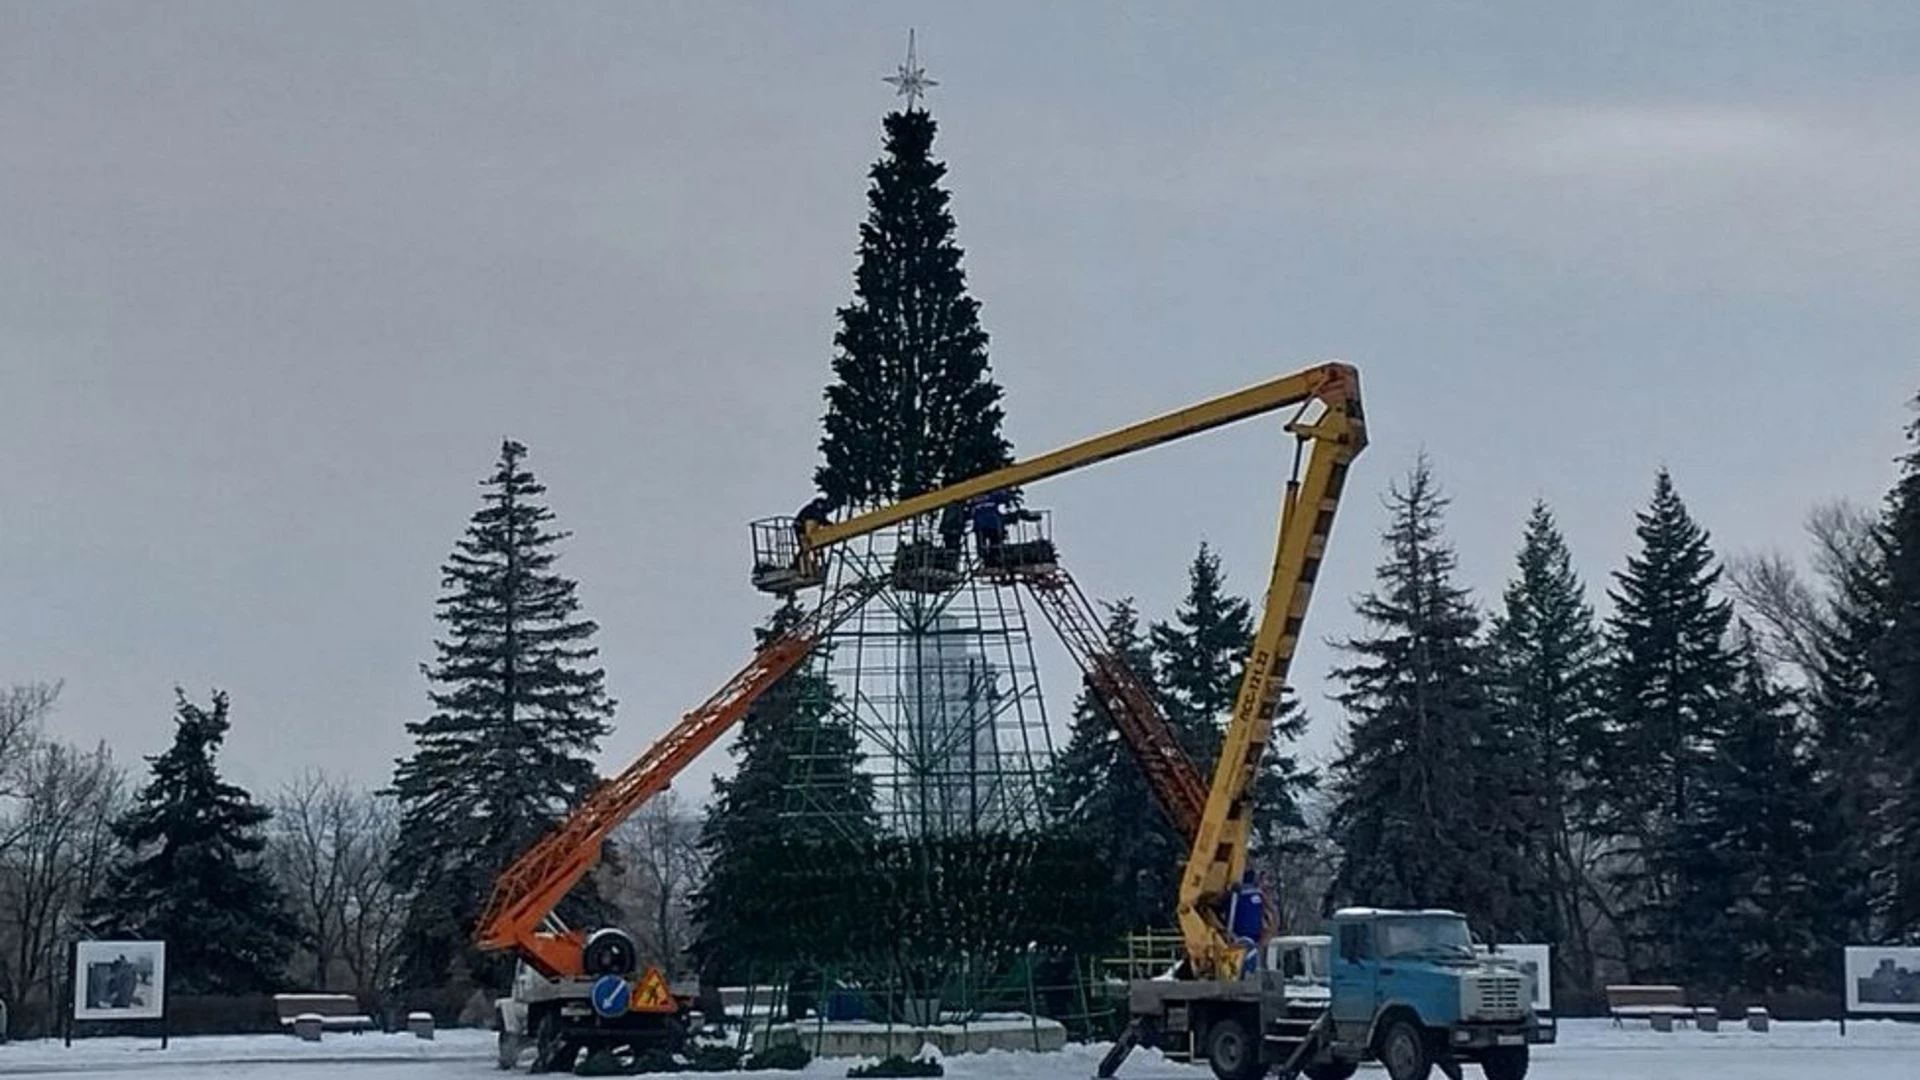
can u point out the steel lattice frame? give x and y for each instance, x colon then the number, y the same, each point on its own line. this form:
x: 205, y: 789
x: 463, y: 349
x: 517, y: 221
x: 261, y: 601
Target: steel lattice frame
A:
x: 942, y: 690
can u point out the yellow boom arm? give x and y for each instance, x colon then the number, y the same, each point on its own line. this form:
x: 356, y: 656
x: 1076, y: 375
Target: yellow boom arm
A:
x: 1306, y: 517
x: 1325, y: 383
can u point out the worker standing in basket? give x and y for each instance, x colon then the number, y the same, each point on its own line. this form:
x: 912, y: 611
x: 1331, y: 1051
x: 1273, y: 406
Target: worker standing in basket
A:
x: 953, y: 527
x: 816, y: 512
x: 989, y: 528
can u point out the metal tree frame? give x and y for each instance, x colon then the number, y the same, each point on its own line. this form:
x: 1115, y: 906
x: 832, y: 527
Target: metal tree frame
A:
x: 936, y: 675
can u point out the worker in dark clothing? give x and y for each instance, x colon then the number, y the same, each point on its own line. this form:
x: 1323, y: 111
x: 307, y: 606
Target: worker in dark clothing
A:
x: 815, y: 511
x: 953, y: 526
x: 989, y: 529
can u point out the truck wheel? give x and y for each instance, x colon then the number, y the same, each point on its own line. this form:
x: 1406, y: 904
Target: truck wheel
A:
x: 1232, y: 1051
x: 509, y: 1050
x: 1505, y: 1063
x: 1332, y: 1070
x: 1403, y: 1050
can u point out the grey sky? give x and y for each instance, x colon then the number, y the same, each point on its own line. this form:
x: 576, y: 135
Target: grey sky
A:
x: 276, y: 279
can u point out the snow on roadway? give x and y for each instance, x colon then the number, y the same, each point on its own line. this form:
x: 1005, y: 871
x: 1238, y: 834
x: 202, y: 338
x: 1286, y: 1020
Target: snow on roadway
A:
x: 1588, y: 1050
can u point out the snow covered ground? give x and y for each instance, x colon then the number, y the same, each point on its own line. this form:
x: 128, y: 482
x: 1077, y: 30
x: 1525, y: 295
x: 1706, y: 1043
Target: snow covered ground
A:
x: 1588, y: 1050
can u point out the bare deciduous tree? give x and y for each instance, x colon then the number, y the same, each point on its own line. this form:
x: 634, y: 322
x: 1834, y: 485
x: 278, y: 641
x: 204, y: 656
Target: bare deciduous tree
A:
x: 63, y: 843
x: 23, y: 711
x: 1792, y: 617
x: 329, y: 850
x: 661, y: 865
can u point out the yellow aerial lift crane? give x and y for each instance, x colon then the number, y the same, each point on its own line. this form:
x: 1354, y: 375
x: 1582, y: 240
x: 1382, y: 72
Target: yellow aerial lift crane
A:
x: 556, y: 1004
x: 789, y: 557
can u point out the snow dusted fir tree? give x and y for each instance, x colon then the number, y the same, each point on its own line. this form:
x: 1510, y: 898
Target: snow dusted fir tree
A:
x: 1428, y: 797
x: 1547, y: 664
x: 518, y: 710
x: 1672, y: 674
x: 191, y: 871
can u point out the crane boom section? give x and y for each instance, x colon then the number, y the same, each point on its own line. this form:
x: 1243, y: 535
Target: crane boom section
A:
x: 1171, y: 776
x: 527, y: 892
x: 1219, y: 849
x: 1320, y: 382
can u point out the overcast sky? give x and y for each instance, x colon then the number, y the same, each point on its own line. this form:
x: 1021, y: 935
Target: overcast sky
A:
x: 276, y: 279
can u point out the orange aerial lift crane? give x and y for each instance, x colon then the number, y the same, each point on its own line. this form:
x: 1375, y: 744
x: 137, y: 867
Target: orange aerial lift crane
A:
x: 556, y: 1002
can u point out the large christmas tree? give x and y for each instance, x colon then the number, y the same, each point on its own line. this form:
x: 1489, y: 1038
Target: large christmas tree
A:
x: 518, y: 713
x: 913, y: 405
x: 191, y: 873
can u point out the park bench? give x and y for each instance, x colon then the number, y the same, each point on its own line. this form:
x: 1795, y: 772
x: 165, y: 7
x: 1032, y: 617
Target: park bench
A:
x: 1663, y: 1005
x: 334, y: 1012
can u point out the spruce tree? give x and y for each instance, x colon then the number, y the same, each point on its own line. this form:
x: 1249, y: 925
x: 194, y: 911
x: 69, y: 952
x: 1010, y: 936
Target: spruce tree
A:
x: 1547, y: 657
x: 1668, y: 683
x: 1753, y: 843
x: 1851, y: 765
x: 1201, y: 654
x: 1896, y: 664
x: 1428, y: 809
x: 1102, y: 795
x: 517, y: 715
x: 191, y: 872
x: 1201, y: 657
x: 796, y: 810
x: 913, y: 405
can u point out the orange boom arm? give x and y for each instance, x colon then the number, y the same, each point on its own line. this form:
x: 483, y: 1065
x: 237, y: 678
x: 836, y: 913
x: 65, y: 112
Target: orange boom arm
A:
x: 519, y: 915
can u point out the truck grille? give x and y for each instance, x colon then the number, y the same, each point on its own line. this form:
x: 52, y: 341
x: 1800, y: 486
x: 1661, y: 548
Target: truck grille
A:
x: 1498, y: 996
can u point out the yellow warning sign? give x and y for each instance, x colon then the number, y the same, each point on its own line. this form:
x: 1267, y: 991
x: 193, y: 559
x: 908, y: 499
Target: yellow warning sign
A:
x: 650, y: 994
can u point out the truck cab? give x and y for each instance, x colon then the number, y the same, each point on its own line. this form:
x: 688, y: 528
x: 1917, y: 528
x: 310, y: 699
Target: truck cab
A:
x: 1409, y: 989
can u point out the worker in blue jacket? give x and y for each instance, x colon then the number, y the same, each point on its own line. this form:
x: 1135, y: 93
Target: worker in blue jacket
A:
x: 1246, y: 919
x: 989, y: 528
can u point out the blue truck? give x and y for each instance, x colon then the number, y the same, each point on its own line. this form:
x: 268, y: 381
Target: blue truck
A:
x: 1406, y: 988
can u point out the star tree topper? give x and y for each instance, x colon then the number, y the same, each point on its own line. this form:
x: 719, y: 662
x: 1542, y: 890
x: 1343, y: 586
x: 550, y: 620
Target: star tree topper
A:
x: 910, y: 79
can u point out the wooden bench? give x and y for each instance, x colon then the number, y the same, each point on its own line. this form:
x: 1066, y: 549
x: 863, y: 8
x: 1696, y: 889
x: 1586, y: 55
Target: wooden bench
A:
x: 1647, y: 1002
x: 337, y: 1012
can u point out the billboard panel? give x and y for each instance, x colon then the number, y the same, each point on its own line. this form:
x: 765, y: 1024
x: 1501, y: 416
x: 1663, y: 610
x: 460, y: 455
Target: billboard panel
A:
x: 119, y: 980
x: 1883, y: 979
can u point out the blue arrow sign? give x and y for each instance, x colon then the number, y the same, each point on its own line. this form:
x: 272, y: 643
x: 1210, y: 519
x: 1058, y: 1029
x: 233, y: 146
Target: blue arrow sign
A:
x: 610, y: 994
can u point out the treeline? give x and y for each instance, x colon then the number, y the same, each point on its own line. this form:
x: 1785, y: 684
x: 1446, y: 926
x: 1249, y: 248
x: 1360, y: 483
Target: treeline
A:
x: 289, y: 892
x: 1715, y: 779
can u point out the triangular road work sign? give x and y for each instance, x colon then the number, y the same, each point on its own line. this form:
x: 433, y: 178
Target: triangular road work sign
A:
x: 651, y: 994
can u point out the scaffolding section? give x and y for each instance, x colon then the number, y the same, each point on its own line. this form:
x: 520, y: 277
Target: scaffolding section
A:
x: 936, y: 675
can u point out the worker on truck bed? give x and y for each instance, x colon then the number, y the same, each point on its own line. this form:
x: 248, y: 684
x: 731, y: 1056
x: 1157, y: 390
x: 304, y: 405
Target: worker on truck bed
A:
x: 1246, y: 918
